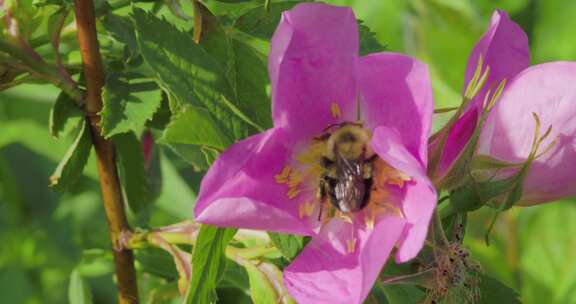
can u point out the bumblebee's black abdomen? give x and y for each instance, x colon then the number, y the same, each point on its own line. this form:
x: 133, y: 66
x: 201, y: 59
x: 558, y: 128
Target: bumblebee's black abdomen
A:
x: 349, y: 194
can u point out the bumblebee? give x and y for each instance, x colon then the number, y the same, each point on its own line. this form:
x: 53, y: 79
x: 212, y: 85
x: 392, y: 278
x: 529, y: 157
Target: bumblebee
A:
x: 347, y: 165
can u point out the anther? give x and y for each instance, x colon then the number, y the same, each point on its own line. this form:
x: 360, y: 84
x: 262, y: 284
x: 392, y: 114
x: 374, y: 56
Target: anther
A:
x: 351, y: 245
x: 282, y: 178
x: 335, y: 110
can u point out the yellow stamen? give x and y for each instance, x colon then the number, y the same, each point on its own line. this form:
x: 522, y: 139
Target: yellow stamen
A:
x: 393, y: 177
x: 343, y: 216
x: 313, y: 171
x: 295, y: 179
x: 305, y: 209
x: 370, y: 221
x: 311, y: 155
x: 282, y: 178
x: 293, y: 192
x: 335, y: 109
x: 351, y: 245
x: 377, y: 209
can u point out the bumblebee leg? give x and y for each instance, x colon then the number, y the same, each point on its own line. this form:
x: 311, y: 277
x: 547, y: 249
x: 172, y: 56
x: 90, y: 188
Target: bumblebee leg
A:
x: 371, y: 158
x: 321, y: 193
x: 368, y: 186
x: 367, y: 169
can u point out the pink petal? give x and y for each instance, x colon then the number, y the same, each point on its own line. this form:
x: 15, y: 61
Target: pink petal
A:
x: 239, y: 190
x: 504, y: 48
x: 389, y: 144
x: 312, y: 65
x: 457, y: 139
x: 549, y: 91
x: 419, y: 199
x: 396, y: 92
x: 325, y: 272
x: 418, y: 207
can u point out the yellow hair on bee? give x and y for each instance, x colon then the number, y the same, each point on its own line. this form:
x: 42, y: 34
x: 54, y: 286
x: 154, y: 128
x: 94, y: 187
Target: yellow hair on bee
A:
x: 350, y: 140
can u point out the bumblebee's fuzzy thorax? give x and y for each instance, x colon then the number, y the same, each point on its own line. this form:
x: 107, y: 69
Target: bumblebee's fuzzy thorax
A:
x: 350, y: 141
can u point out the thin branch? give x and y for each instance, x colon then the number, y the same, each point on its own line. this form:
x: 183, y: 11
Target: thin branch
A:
x: 55, y: 39
x: 40, y: 69
x: 105, y: 153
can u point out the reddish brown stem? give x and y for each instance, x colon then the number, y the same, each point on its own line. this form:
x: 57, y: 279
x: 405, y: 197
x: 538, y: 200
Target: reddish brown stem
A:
x: 105, y: 153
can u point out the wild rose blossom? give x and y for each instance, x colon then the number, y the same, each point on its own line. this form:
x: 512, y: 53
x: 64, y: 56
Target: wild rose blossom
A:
x: 504, y: 50
x: 270, y: 181
x: 546, y: 90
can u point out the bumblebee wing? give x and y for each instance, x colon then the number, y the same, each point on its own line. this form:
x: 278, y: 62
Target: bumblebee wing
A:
x: 349, y: 167
x: 349, y: 191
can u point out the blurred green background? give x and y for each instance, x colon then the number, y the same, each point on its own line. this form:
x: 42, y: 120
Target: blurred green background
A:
x: 50, y: 240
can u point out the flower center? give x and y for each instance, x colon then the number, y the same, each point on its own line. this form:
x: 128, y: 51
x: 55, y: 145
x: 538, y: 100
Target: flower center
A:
x: 338, y: 175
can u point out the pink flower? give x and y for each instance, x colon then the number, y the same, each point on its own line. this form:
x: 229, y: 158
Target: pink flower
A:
x: 322, y: 89
x: 504, y: 49
x: 549, y: 91
x: 546, y: 90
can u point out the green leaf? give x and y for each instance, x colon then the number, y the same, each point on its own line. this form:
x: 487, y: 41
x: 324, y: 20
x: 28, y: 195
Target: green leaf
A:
x: 132, y: 172
x: 233, y: 1
x: 189, y: 73
x: 63, y: 111
x: 245, y: 68
x: 368, y: 42
x: 208, y: 262
x: 289, y: 245
x: 26, y: 15
x: 261, y: 289
x: 195, y: 126
x: 157, y: 262
x: 266, y: 283
x: 162, y: 117
x: 192, y: 154
x: 466, y: 198
x: 249, y: 75
x: 486, y: 162
x: 71, y: 166
x: 235, y: 276
x: 128, y: 105
x: 494, y: 291
x: 78, y: 289
x: 259, y: 23
x: 403, y: 294
x: 377, y: 295
x: 121, y: 29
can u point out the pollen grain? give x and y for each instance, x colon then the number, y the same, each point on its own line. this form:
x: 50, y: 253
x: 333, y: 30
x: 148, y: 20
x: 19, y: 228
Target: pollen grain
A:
x: 335, y: 109
x: 351, y: 245
x: 282, y: 178
x: 305, y: 209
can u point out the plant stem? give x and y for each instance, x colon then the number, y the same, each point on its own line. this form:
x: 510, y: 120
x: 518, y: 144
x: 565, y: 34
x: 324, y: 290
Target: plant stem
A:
x: 41, y: 70
x: 439, y: 229
x: 445, y: 210
x: 198, y: 21
x: 105, y: 153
